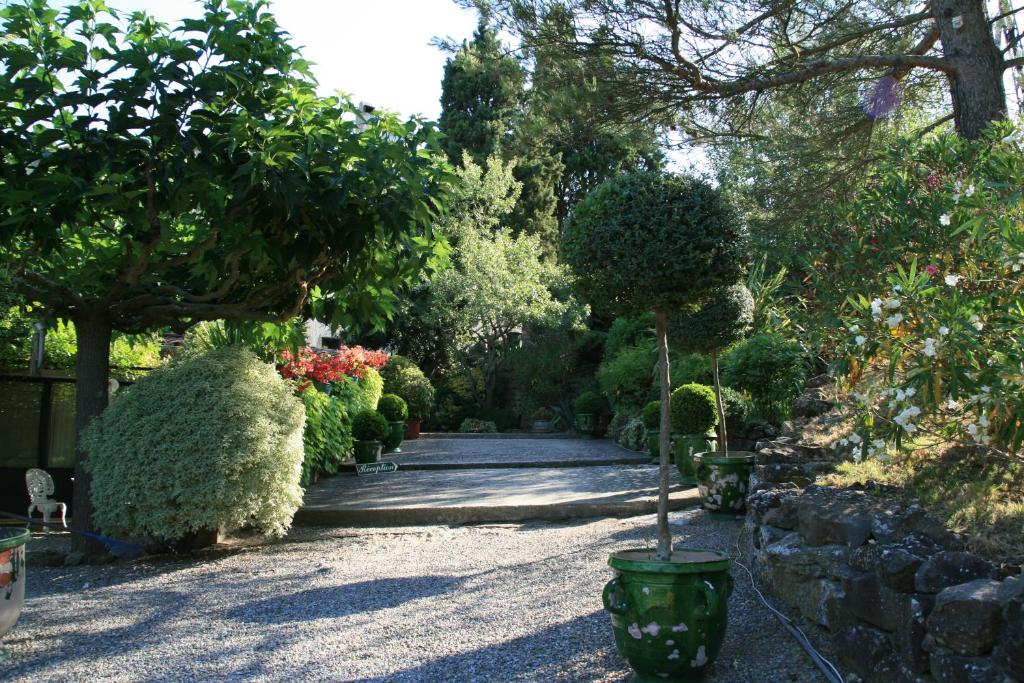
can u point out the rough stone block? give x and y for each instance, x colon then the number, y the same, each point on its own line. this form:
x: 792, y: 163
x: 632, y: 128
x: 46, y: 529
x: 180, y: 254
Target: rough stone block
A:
x: 915, y: 519
x: 805, y: 578
x: 895, y: 563
x: 867, y: 652
x: 949, y: 568
x: 1008, y: 655
x: 949, y: 667
x: 867, y: 599
x: 911, y: 632
x: 828, y: 515
x: 967, y: 617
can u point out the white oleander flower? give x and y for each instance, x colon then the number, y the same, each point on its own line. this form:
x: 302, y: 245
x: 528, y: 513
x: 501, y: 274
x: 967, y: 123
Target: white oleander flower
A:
x: 944, y: 219
x: 969, y: 191
x: 855, y: 438
x: 952, y: 280
x: 943, y: 331
x: 892, y: 304
x: 929, y: 347
x: 972, y: 429
x: 876, y: 307
x: 894, y: 320
x: 952, y: 405
x: 860, y: 339
x: 854, y: 329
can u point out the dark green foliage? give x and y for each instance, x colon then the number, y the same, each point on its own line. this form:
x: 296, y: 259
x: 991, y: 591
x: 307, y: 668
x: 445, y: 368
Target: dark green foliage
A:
x: 652, y: 242
x: 369, y: 425
x: 554, y: 365
x: 629, y: 378
x: 693, y: 409
x: 590, y: 402
x: 481, y: 95
x: 722, y: 319
x: 771, y: 369
x: 504, y: 419
x: 393, y: 408
x: 327, y: 437
x: 691, y: 367
x: 738, y: 409
x: 403, y: 378
x: 651, y: 415
x: 630, y: 331
x: 589, y: 348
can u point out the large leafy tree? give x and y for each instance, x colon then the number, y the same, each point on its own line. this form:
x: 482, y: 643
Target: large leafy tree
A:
x: 157, y: 177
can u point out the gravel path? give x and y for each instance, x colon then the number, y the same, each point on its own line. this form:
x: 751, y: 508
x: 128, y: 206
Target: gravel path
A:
x: 483, y: 603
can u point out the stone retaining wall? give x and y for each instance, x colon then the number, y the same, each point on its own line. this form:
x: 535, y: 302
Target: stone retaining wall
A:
x: 895, y: 591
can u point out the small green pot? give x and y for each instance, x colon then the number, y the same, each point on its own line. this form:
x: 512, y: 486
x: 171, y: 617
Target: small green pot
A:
x: 685, y: 447
x: 12, y: 576
x: 394, y: 437
x: 669, y: 618
x: 723, y: 480
x: 366, y: 451
x: 585, y: 424
x: 652, y: 444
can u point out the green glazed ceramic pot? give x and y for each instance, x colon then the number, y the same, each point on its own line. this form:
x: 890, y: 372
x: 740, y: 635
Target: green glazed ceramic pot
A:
x: 723, y: 480
x: 366, y: 451
x: 395, y: 435
x: 652, y: 444
x: 12, y: 576
x: 685, y: 447
x: 669, y: 618
x: 585, y: 424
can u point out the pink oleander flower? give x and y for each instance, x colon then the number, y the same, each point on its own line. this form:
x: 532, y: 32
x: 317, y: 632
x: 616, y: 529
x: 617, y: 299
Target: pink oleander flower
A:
x: 931, y: 269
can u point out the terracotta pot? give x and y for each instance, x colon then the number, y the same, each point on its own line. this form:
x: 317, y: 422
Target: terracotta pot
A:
x: 412, y: 429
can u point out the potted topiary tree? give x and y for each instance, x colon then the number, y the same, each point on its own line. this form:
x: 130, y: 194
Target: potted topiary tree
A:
x: 725, y: 317
x: 661, y: 243
x: 693, y: 416
x: 588, y: 406
x: 369, y: 429
x: 394, y: 410
x: 403, y: 378
x: 651, y: 417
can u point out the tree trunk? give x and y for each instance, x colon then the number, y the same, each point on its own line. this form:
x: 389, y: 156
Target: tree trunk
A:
x: 93, y: 331
x: 977, y: 91
x: 664, y: 533
x: 723, y: 434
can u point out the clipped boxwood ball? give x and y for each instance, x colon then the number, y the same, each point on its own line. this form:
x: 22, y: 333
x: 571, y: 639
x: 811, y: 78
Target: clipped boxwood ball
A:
x: 723, y: 319
x: 651, y: 415
x: 589, y: 402
x: 693, y: 409
x: 652, y: 242
x: 369, y: 425
x: 210, y: 440
x: 393, y: 408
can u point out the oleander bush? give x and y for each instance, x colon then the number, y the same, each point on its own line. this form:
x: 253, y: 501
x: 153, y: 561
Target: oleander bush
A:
x: 693, y: 409
x: 393, y: 408
x: 369, y: 425
x: 210, y: 440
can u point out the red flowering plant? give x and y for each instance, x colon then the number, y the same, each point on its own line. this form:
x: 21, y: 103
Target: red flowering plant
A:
x: 327, y: 366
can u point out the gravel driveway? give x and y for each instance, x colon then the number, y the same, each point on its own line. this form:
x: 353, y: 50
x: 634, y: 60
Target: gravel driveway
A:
x: 477, y: 603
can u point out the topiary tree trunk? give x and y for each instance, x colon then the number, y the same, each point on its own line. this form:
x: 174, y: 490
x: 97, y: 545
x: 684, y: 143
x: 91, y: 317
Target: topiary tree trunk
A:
x: 664, y: 533
x: 723, y: 433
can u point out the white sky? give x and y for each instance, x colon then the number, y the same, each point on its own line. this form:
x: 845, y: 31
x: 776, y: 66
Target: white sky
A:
x: 378, y: 51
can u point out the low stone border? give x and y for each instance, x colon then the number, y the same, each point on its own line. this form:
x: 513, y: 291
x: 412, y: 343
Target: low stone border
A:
x: 897, y: 593
x: 497, y: 435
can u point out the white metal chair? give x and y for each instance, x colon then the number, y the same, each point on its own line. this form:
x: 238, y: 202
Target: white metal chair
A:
x: 40, y: 488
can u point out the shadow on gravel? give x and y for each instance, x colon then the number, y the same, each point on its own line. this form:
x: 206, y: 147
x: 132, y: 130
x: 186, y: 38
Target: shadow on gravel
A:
x: 578, y: 642
x: 341, y: 601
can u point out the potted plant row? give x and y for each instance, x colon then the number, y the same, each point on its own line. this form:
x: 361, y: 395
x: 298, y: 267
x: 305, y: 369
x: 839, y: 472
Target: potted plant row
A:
x: 667, y: 605
x: 395, y: 411
x: 369, y: 430
x: 692, y: 415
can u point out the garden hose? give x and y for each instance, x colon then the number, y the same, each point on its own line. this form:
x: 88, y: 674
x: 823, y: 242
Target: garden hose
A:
x: 122, y: 546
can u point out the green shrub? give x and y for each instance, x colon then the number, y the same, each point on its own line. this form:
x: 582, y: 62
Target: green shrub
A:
x: 327, y: 436
x: 589, y: 348
x: 633, y: 435
x: 359, y: 394
x: 693, y: 409
x: 473, y: 425
x: 589, y: 402
x: 126, y: 351
x: 455, y: 399
x: 369, y: 425
x: 651, y: 415
x: 738, y: 409
x: 393, y: 408
x: 689, y: 368
x: 617, y: 423
x: 403, y: 378
x: 211, y: 440
x: 771, y: 370
x: 629, y: 379
x: 722, y: 320
x: 625, y: 332
x: 504, y: 419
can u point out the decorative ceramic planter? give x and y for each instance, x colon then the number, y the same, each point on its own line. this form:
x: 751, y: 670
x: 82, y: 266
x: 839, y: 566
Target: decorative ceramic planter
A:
x: 585, y: 424
x: 542, y: 426
x: 723, y: 480
x: 412, y: 429
x: 686, y: 446
x: 366, y: 451
x: 652, y: 444
x: 395, y: 436
x: 669, y: 618
x: 12, y: 576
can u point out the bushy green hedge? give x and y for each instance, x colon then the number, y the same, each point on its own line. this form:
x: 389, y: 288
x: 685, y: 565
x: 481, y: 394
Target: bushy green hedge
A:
x: 651, y: 415
x: 738, y: 409
x: 626, y: 332
x: 589, y: 402
x: 359, y: 394
x: 403, y: 378
x: 211, y: 440
x: 327, y: 437
x: 392, y: 407
x: 369, y: 425
x: 628, y: 378
x: 689, y: 368
x: 693, y: 409
x: 771, y: 369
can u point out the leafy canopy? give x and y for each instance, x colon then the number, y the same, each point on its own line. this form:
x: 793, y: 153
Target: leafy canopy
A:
x: 159, y: 176
x: 722, y: 320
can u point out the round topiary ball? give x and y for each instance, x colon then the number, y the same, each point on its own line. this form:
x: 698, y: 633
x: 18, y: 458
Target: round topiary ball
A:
x: 693, y: 409
x: 210, y: 440
x: 393, y: 408
x: 723, y: 319
x: 369, y: 425
x: 589, y: 402
x: 652, y: 242
x: 651, y: 415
